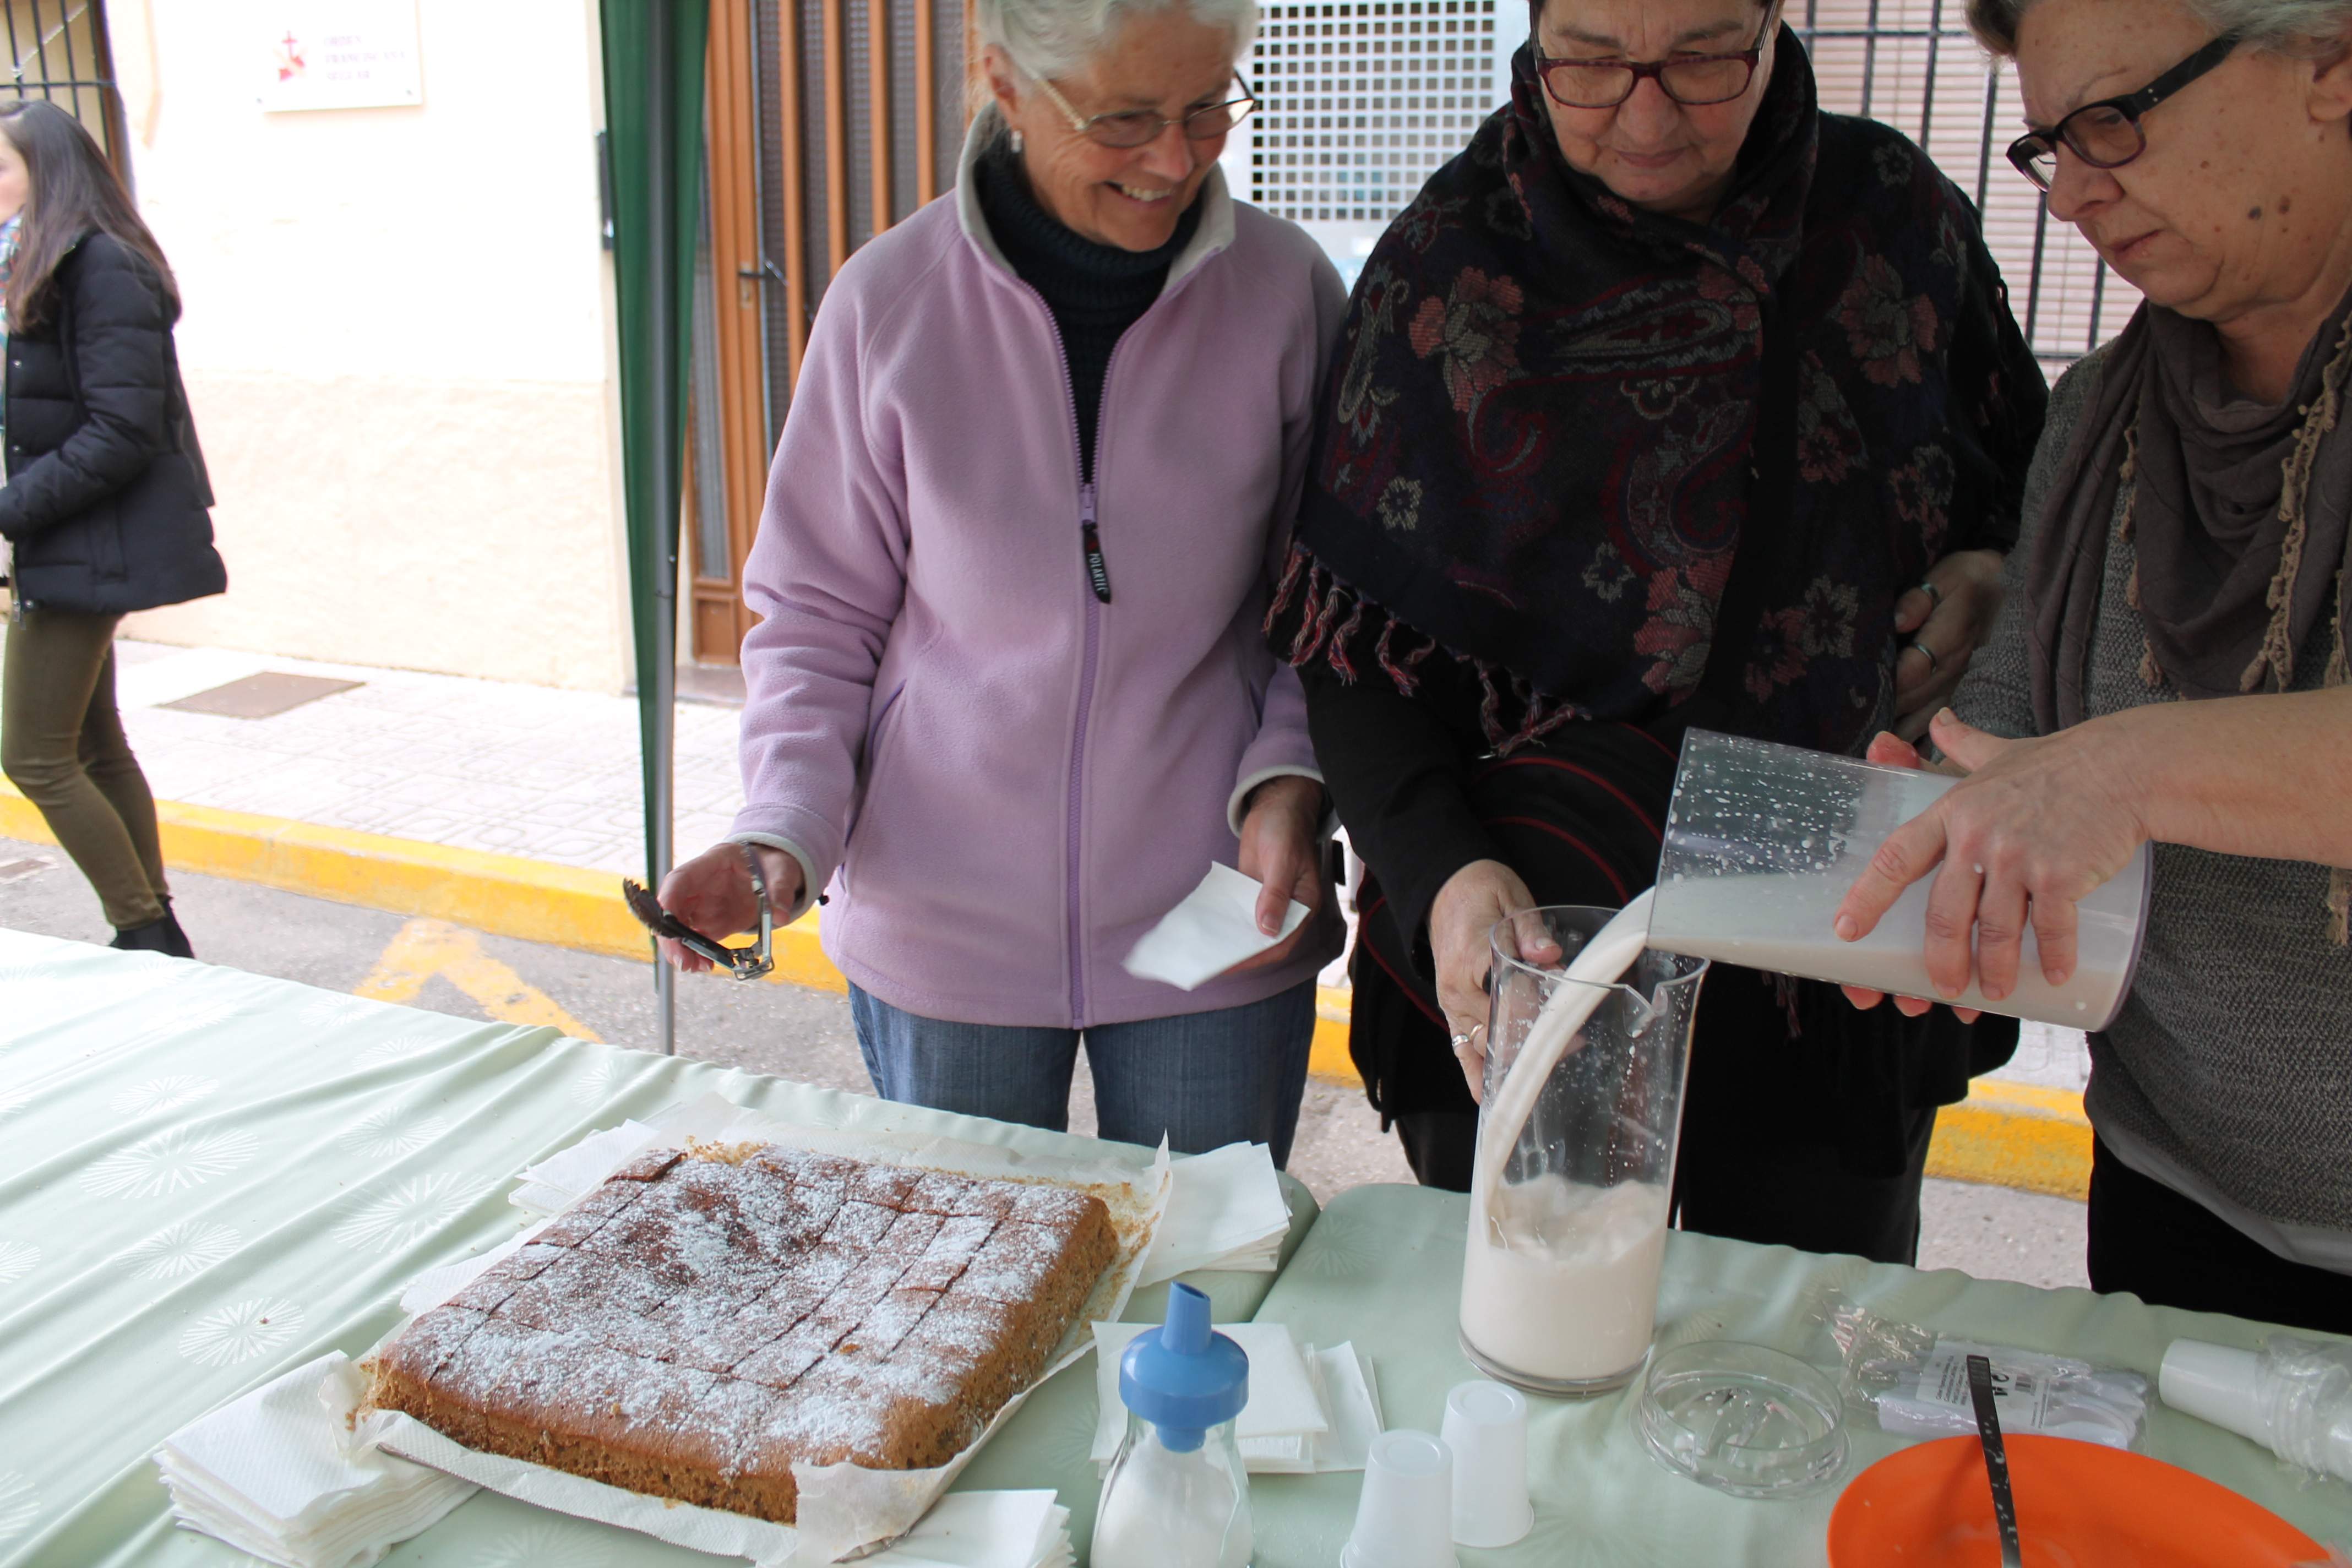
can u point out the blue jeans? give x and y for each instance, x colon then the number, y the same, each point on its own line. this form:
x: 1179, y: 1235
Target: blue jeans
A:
x: 1203, y: 1080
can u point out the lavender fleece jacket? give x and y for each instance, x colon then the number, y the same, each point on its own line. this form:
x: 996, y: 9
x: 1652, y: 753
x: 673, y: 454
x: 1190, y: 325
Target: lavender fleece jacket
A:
x: 1004, y: 780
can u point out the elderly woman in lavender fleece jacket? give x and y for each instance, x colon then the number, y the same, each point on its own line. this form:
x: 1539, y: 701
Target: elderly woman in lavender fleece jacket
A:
x: 1007, y: 697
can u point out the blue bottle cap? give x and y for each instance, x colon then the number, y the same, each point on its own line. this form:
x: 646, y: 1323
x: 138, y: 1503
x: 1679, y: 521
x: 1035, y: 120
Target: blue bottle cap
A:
x: 1181, y: 1377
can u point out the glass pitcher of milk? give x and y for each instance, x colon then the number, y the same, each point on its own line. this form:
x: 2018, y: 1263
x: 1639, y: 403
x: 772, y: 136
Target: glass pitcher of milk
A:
x: 1582, y: 1103
x: 1764, y: 840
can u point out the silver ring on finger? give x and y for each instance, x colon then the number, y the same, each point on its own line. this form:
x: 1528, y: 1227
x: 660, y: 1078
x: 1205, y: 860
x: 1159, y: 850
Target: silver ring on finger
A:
x: 1935, y: 665
x: 1933, y: 594
x: 1461, y: 1043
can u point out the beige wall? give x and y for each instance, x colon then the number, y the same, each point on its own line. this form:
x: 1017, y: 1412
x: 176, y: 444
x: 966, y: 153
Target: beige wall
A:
x: 396, y: 343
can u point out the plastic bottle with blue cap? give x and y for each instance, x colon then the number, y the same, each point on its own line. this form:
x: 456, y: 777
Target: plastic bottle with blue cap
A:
x: 1177, y: 1496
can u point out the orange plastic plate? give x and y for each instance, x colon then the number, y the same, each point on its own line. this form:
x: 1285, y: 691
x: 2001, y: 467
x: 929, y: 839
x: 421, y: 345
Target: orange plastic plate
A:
x: 2079, y: 1505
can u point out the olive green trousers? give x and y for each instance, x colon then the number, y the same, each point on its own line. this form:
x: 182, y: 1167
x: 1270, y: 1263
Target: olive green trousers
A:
x: 61, y: 744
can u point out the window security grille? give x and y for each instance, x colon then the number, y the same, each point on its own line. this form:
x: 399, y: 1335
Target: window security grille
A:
x: 1363, y: 100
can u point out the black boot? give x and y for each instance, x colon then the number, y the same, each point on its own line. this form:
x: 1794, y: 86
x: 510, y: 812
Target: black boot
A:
x: 163, y: 936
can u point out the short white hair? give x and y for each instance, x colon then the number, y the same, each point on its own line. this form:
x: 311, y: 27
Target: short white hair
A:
x: 2282, y: 26
x: 1053, y: 37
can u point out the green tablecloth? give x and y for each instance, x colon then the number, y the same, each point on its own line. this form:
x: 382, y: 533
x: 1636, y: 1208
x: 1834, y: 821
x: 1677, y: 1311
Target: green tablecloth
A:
x: 207, y: 1178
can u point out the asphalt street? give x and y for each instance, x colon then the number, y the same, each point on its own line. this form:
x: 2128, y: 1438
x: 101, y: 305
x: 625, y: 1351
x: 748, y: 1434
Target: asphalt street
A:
x: 789, y: 1032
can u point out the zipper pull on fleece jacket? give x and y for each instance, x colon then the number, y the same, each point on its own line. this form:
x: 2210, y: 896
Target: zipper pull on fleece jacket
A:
x: 1097, y: 570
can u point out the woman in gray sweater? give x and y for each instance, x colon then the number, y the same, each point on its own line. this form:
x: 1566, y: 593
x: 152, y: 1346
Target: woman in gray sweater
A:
x: 2170, y: 665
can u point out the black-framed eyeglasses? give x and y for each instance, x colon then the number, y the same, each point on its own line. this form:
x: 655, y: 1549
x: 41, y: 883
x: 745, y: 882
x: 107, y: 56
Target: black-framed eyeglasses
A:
x: 1141, y: 127
x: 1693, y: 79
x: 2108, y: 134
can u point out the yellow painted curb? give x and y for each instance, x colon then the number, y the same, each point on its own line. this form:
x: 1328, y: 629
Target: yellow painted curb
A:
x: 1329, y: 1059
x: 2015, y: 1135
x: 504, y: 895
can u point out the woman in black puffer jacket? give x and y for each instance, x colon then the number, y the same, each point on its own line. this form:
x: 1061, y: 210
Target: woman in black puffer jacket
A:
x: 105, y: 504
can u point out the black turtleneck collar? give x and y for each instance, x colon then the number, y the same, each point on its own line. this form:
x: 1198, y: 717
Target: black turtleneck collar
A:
x: 1094, y: 291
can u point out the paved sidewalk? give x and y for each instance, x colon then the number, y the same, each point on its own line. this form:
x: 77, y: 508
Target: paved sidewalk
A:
x: 489, y: 765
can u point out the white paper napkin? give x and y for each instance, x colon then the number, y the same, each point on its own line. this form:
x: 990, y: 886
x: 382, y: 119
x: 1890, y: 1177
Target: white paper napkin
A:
x: 1213, y: 929
x: 283, y: 1474
x: 564, y: 1177
x: 1308, y: 1411
x: 1224, y: 1211
x: 985, y: 1529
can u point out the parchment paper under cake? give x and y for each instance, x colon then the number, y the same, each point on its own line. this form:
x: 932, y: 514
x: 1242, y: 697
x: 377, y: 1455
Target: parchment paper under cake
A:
x: 742, y: 1323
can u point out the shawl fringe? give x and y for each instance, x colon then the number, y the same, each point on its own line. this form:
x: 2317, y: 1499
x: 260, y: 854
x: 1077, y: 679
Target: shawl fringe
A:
x: 1315, y: 595
x: 2275, y: 658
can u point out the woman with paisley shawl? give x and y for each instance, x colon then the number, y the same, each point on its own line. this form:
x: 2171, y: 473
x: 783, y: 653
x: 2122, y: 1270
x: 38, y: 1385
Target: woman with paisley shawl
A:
x: 1672, y: 400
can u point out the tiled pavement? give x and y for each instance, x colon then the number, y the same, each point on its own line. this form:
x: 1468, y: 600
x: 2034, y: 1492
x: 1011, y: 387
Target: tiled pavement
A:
x: 476, y: 764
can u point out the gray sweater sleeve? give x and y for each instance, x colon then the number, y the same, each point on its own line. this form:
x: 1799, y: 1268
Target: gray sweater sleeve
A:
x: 1996, y: 695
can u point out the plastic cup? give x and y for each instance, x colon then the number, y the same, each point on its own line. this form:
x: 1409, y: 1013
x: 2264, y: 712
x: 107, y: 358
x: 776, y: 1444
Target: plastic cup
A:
x: 1763, y: 841
x: 1486, y: 1427
x: 2213, y: 1382
x: 1405, y: 1517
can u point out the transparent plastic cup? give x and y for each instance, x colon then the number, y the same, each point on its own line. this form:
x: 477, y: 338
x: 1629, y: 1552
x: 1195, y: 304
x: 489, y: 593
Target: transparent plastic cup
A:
x: 1486, y: 1427
x: 1568, y: 1190
x: 1763, y: 841
x: 1404, y: 1516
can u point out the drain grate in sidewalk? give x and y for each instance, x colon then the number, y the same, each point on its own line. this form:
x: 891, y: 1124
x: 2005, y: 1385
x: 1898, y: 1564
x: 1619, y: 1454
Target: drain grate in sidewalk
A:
x: 261, y: 696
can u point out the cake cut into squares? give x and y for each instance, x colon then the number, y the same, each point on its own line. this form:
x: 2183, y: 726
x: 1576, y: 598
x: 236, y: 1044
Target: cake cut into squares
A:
x: 703, y: 1321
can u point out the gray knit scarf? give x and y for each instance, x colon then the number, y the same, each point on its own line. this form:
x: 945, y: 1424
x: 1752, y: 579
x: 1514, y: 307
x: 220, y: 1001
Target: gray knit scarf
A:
x: 2241, y: 513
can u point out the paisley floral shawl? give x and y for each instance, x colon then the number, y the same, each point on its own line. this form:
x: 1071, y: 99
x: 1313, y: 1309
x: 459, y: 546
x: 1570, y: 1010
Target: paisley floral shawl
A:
x: 1534, y: 452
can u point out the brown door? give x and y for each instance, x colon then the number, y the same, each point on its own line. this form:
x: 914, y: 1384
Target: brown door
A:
x: 829, y: 120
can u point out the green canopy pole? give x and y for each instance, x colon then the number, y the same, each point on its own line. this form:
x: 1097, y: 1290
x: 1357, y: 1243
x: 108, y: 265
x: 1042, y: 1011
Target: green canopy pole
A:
x: 653, y: 118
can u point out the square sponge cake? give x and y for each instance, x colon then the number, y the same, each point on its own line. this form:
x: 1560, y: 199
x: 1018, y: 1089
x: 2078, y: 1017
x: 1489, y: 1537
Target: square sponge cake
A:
x: 702, y: 1320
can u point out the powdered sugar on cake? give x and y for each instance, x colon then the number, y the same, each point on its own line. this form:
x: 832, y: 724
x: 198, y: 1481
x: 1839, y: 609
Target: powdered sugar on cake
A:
x: 703, y: 1321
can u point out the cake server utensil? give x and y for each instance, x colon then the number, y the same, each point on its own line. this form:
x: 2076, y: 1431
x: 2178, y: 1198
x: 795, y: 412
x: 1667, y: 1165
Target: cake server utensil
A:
x: 742, y: 963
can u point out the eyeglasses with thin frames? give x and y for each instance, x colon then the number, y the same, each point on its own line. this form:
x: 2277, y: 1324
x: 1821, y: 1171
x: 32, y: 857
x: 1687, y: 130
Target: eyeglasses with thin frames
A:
x: 1693, y: 81
x: 2108, y: 134
x: 1141, y: 127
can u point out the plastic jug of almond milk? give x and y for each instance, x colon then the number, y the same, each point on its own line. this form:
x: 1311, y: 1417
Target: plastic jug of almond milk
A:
x: 1763, y: 841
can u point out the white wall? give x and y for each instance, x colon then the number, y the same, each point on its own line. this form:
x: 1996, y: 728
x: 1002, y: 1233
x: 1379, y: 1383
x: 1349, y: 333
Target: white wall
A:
x: 396, y: 343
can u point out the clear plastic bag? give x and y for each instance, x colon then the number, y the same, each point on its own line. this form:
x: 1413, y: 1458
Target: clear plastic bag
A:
x: 1916, y: 1381
x: 2303, y: 1389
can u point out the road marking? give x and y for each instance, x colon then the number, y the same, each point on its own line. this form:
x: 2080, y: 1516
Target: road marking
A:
x: 423, y: 949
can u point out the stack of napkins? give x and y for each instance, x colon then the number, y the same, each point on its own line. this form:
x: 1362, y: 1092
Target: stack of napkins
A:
x: 1224, y: 1211
x: 985, y: 1529
x: 283, y: 1474
x: 1309, y: 1410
